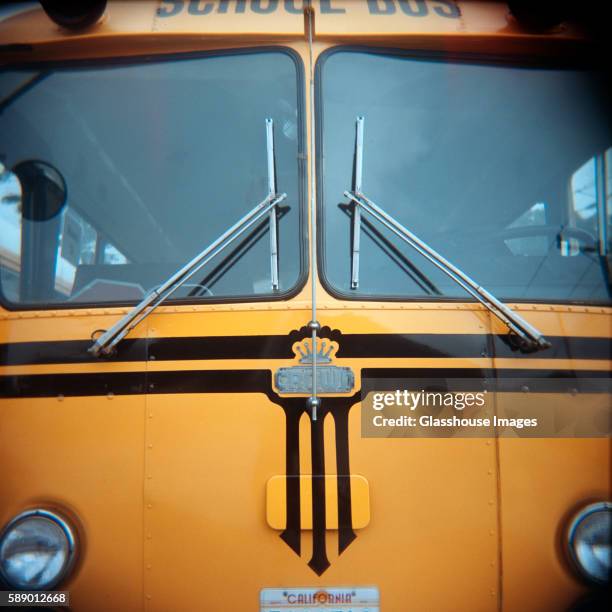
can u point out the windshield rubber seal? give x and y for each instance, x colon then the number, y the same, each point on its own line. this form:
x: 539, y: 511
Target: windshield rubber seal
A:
x: 139, y: 60
x: 522, y: 61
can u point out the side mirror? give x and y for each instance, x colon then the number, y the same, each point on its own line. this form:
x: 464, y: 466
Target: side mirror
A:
x: 539, y: 16
x: 43, y: 190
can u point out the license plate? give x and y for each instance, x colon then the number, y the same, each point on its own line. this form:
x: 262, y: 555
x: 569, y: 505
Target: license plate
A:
x: 330, y: 599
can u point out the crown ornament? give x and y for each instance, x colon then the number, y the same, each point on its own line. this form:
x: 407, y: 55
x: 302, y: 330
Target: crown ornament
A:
x: 325, y: 350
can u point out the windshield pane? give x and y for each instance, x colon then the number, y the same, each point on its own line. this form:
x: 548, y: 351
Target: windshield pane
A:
x: 485, y: 163
x: 156, y: 160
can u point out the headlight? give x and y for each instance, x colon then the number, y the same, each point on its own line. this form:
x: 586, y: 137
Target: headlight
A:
x: 36, y: 550
x: 589, y: 543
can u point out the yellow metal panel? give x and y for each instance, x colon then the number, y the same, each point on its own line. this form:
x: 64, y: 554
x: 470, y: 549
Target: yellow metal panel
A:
x: 542, y: 483
x: 276, y: 507
x: 83, y: 457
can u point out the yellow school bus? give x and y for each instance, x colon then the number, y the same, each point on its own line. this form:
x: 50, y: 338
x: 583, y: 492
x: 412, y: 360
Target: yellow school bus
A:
x: 304, y: 306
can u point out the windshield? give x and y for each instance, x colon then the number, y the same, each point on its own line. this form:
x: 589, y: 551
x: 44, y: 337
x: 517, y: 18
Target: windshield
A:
x: 155, y: 159
x: 505, y: 171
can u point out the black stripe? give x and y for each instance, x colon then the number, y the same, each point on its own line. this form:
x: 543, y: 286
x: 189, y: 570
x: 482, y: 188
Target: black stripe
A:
x: 279, y: 347
x: 412, y: 345
x: 480, y: 373
x: 210, y: 381
x: 294, y: 408
x: 563, y: 347
x: 82, y: 385
x: 221, y: 347
x: 340, y: 408
x: 319, y: 561
x: 65, y: 351
x: 131, y: 383
x: 501, y: 380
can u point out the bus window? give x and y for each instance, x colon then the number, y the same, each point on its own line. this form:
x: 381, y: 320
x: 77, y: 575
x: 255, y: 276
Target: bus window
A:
x: 476, y: 159
x: 10, y: 231
x: 149, y: 185
x: 591, y: 201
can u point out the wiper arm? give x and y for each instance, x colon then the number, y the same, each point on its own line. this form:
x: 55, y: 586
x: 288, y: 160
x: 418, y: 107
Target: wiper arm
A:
x: 530, y: 338
x: 104, y: 345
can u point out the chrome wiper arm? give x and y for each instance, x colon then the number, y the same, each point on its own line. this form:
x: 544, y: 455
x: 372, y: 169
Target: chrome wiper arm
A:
x: 106, y: 342
x: 531, y: 338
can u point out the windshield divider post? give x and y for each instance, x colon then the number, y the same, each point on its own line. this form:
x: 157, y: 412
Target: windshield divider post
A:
x: 273, y: 210
x: 356, y: 208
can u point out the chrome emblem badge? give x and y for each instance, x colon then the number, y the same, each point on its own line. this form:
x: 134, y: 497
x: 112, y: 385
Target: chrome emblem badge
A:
x: 297, y: 379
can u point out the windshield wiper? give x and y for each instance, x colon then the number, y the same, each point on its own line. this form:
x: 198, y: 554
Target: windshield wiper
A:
x: 529, y: 338
x: 104, y: 345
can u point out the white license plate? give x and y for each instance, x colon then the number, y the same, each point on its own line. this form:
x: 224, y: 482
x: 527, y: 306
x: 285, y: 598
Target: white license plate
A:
x: 327, y: 599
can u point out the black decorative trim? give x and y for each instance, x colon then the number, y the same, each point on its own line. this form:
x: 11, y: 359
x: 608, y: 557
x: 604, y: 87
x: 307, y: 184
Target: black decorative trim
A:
x: 280, y: 347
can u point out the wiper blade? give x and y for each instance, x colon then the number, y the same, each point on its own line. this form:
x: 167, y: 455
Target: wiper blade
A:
x: 393, y: 252
x: 530, y: 338
x: 104, y: 345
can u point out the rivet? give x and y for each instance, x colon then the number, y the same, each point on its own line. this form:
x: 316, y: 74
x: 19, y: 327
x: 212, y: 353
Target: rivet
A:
x: 150, y: 446
x: 149, y: 536
x: 148, y: 597
x: 149, y: 506
x: 151, y: 357
x: 60, y: 398
x: 488, y: 442
x: 110, y: 395
x: 152, y: 386
x: 149, y: 477
x: 491, y: 502
x: 150, y: 415
x: 490, y: 472
x: 491, y: 532
x: 149, y: 566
